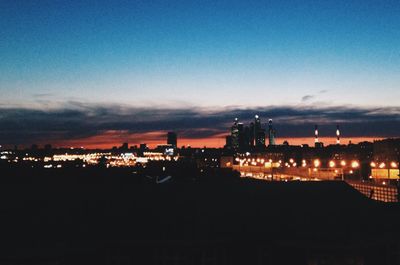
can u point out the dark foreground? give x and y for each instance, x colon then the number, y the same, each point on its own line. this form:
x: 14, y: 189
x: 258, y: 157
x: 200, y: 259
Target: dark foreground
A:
x: 113, y: 217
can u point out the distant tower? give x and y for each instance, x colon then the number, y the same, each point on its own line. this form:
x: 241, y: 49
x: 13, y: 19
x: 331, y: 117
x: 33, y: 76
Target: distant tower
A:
x: 172, y: 139
x: 337, y: 134
x: 316, y: 134
x: 235, y: 135
x: 259, y: 133
x: 271, y: 133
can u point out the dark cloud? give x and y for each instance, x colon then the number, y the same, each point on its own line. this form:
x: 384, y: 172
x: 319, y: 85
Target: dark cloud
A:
x: 307, y: 98
x: 78, y: 121
x: 42, y: 95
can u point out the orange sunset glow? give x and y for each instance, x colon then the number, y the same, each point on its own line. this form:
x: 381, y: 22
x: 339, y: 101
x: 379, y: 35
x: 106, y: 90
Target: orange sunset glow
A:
x: 112, y: 138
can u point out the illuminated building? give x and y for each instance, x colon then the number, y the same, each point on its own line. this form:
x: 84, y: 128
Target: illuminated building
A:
x: 271, y: 133
x: 259, y: 133
x: 260, y: 138
x: 235, y: 135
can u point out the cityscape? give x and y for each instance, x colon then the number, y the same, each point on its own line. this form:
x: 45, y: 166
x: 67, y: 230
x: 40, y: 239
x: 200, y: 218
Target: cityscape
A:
x: 199, y: 132
x: 250, y: 150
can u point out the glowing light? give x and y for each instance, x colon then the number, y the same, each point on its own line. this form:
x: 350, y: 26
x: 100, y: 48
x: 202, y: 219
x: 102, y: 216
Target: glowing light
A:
x: 291, y: 160
x: 317, y: 163
x: 332, y: 164
x: 343, y: 163
x: 382, y: 165
x: 373, y: 164
x: 393, y: 165
x: 355, y: 164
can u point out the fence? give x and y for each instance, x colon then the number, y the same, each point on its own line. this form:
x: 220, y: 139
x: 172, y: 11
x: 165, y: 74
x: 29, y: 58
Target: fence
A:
x: 385, y: 193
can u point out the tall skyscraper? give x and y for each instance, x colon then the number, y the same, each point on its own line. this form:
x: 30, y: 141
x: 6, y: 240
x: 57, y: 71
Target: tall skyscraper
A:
x: 172, y: 139
x: 259, y: 133
x: 228, y: 142
x: 241, y: 136
x: 260, y: 138
x: 235, y: 135
x: 252, y: 134
x: 271, y: 133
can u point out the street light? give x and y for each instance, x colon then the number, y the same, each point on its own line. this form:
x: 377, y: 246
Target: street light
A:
x: 355, y: 164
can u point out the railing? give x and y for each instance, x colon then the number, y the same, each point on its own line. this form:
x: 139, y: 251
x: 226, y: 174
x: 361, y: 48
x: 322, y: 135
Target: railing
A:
x: 385, y: 193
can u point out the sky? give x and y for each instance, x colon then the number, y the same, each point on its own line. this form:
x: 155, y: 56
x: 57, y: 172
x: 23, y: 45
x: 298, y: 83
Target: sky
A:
x: 193, y: 66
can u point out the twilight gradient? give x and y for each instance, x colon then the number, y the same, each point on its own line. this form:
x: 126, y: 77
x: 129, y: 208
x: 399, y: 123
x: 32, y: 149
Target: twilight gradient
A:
x: 182, y: 54
x: 218, y: 53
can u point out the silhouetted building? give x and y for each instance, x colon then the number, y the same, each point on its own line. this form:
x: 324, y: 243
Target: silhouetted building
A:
x: 235, y: 135
x: 271, y: 133
x: 48, y: 147
x: 143, y: 148
x: 124, y: 147
x: 259, y: 133
x: 172, y: 139
x: 228, y: 142
x: 251, y: 136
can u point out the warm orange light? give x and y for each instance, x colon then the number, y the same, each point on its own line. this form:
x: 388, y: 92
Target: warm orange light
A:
x: 332, y: 164
x: 291, y: 160
x: 393, y: 165
x: 382, y: 165
x: 317, y: 163
x: 373, y: 164
x: 343, y: 163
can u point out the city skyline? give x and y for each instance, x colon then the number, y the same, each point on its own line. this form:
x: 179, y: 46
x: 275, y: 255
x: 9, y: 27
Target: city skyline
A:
x: 102, y: 127
x: 96, y: 73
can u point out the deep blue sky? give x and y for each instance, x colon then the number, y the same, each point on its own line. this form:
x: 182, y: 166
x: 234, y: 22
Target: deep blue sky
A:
x: 200, y: 53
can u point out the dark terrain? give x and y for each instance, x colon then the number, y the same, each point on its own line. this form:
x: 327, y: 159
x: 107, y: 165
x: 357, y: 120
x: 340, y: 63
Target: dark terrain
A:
x: 111, y: 216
